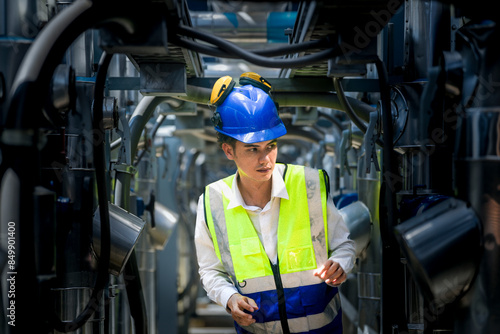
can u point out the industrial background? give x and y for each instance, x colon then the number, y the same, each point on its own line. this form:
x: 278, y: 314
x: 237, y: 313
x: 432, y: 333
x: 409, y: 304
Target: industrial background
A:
x: 106, y: 144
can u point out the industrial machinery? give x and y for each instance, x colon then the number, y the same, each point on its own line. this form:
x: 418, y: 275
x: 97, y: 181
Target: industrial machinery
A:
x: 106, y: 144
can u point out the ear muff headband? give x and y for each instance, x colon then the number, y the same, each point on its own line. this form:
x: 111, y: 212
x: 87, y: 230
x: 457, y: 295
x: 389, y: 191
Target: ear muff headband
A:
x: 224, y: 85
x: 254, y: 79
x: 221, y: 89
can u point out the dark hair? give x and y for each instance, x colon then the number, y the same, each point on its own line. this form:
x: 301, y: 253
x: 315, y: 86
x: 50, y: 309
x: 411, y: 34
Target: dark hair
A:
x: 222, y: 138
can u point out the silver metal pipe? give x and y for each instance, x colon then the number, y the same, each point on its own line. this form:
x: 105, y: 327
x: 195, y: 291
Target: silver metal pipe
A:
x: 358, y: 219
x: 478, y: 166
x: 369, y: 269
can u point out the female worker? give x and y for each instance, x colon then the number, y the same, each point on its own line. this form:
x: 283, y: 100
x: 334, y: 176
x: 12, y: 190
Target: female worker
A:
x: 271, y: 246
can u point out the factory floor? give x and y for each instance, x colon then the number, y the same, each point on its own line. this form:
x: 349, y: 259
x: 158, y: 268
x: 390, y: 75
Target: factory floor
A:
x: 210, y: 318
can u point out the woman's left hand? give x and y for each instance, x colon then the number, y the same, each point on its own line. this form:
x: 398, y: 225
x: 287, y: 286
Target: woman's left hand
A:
x: 331, y: 272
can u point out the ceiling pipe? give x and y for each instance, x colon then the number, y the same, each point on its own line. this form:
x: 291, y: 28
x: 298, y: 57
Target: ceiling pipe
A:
x: 201, y: 95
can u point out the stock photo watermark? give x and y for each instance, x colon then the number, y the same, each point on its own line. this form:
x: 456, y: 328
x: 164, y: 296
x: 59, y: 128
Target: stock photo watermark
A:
x: 11, y: 274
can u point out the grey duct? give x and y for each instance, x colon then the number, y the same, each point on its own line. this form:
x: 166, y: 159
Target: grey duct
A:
x: 141, y: 116
x: 288, y: 99
x: 125, y: 231
x: 358, y: 219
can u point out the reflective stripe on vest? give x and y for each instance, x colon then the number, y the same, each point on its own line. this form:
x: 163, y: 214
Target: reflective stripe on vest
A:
x: 320, y: 323
x: 302, y: 247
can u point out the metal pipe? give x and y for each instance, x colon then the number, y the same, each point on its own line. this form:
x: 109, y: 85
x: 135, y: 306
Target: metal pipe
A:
x: 288, y: 99
x: 140, y: 117
x: 358, y: 219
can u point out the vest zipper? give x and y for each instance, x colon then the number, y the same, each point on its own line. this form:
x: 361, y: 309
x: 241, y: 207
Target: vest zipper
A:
x: 281, y: 297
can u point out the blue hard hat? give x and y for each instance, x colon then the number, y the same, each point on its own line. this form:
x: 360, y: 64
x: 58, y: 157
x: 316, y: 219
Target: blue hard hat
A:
x: 249, y: 114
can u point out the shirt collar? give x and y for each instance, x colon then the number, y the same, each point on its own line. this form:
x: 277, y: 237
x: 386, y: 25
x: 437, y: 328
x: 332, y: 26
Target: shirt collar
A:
x: 278, y: 188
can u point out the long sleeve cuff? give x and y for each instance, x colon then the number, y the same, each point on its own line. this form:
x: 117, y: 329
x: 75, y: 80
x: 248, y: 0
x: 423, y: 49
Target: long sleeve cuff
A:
x: 225, y: 295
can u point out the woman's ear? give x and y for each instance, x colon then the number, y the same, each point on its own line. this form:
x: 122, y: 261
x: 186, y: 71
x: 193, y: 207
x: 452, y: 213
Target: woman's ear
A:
x: 228, y: 150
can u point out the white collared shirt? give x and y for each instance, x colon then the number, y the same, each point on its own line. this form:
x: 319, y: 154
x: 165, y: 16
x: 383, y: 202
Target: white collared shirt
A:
x: 213, y: 277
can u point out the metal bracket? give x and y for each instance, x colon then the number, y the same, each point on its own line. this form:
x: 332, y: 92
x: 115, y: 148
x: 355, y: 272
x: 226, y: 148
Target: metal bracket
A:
x: 371, y: 136
x: 124, y: 168
x: 124, y: 156
x: 345, y: 145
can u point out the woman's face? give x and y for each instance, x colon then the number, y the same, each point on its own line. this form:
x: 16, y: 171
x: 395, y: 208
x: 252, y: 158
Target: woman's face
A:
x: 254, y: 161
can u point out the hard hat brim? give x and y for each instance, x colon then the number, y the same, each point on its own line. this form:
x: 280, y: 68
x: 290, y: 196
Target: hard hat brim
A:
x: 258, y: 136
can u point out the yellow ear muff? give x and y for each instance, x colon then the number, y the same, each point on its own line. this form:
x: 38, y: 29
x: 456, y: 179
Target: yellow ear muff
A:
x: 254, y: 79
x: 221, y: 89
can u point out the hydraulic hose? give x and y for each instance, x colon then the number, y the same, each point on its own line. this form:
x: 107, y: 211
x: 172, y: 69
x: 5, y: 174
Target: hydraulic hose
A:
x: 26, y: 100
x: 157, y: 125
x: 349, y: 110
x: 271, y: 52
x: 45, y: 54
x: 332, y: 119
x: 42, y: 58
x: 256, y: 59
x: 135, y: 294
x: 347, y: 107
x: 102, y: 279
x: 392, y: 304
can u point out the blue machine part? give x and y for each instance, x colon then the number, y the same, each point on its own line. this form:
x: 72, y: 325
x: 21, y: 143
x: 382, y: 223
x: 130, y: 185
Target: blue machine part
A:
x: 232, y: 18
x: 277, y: 22
x: 140, y: 206
x: 411, y: 207
x: 344, y: 200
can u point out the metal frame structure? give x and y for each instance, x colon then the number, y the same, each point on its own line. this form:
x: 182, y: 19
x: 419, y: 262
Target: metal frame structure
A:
x: 106, y: 144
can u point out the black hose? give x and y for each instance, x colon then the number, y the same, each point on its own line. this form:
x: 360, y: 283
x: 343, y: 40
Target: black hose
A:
x: 350, y: 111
x: 26, y: 98
x: 332, y: 119
x: 271, y: 52
x: 389, y: 162
x: 256, y: 59
x: 135, y: 294
x: 347, y: 106
x: 42, y: 58
x: 100, y: 168
x: 159, y: 121
x: 392, y: 287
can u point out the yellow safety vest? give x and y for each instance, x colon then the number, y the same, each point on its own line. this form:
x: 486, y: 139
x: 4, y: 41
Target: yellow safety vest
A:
x: 290, y: 298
